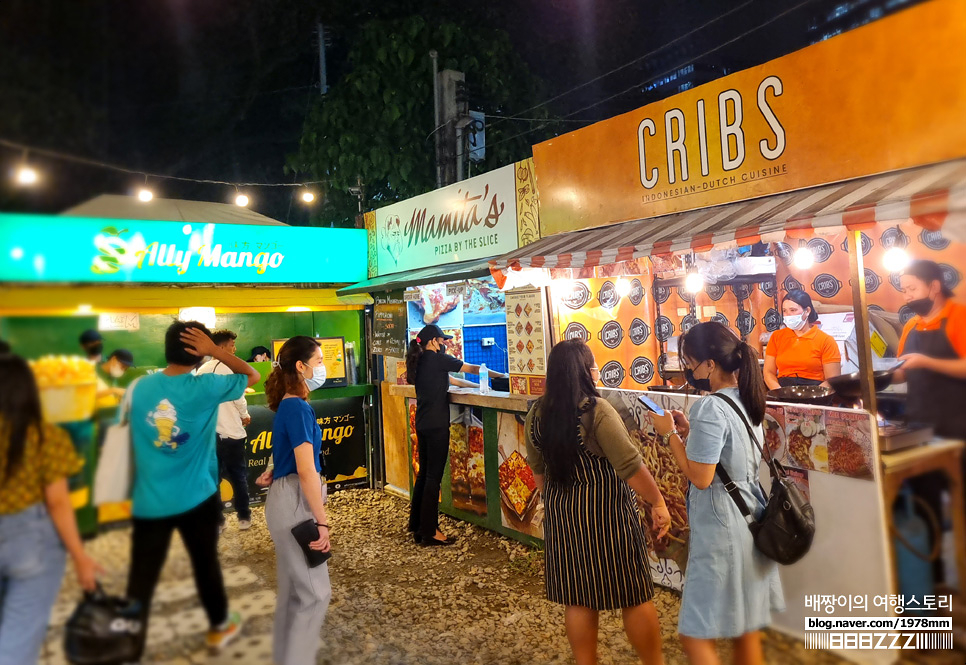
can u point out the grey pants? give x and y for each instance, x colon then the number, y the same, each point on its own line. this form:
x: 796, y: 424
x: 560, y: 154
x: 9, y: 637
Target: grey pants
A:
x: 303, y: 593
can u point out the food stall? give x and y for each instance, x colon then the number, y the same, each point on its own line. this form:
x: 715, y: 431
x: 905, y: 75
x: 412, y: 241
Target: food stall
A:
x: 429, y: 264
x: 648, y: 227
x: 130, y: 278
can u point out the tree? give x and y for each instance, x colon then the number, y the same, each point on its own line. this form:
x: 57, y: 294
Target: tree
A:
x: 376, y: 123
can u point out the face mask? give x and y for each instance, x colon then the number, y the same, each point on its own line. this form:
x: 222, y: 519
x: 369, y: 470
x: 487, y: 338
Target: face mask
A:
x: 94, y: 349
x: 117, y: 372
x: 922, y: 306
x: 703, y: 385
x: 795, y: 322
x: 318, y: 373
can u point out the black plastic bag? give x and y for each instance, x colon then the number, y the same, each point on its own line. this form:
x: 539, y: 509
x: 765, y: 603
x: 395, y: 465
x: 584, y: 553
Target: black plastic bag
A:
x: 104, y: 630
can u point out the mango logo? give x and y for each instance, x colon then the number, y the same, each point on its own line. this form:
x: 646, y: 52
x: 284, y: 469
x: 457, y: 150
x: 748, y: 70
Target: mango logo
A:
x: 113, y: 249
x: 261, y: 442
x: 337, y: 434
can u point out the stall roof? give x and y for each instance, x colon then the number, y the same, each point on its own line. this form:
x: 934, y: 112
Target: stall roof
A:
x: 176, y: 210
x: 449, y: 272
x: 928, y: 195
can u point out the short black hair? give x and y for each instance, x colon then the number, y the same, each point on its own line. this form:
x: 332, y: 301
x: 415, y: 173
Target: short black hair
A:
x: 175, y: 351
x: 804, y: 301
x: 219, y: 337
x: 928, y: 272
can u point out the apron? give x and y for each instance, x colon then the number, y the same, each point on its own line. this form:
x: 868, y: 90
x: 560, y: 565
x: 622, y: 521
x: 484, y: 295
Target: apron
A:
x: 933, y: 398
x: 785, y: 381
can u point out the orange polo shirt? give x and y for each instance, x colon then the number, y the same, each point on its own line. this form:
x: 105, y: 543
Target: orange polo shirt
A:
x: 803, y: 356
x: 955, y: 316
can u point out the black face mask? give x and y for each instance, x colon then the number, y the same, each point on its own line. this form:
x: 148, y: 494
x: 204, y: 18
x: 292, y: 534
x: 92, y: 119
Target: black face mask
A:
x: 703, y: 385
x: 922, y: 306
x: 94, y: 349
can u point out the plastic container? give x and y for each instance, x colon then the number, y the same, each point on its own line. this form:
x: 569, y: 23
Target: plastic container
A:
x: 484, y: 380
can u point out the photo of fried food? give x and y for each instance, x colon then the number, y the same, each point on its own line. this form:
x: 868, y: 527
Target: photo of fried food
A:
x: 459, y: 457
x: 517, y: 485
x: 799, y: 447
x: 673, y: 485
x: 847, y: 458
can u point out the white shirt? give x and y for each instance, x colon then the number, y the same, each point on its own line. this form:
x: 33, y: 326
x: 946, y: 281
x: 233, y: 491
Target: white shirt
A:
x: 230, y: 414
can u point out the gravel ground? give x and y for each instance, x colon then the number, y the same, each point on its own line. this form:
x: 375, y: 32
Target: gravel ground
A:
x: 478, y: 602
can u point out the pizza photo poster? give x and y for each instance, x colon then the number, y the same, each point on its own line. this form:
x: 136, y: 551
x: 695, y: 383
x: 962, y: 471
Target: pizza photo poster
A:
x: 521, y: 506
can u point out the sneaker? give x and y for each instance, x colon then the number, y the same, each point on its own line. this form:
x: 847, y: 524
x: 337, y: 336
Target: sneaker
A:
x: 219, y: 638
x: 221, y: 528
x: 244, y: 525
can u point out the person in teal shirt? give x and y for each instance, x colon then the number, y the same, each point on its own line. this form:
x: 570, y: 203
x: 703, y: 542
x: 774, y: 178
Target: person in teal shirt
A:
x: 173, y: 417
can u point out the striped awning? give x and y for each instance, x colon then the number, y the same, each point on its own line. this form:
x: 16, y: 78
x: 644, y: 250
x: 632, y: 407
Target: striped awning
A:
x: 928, y: 195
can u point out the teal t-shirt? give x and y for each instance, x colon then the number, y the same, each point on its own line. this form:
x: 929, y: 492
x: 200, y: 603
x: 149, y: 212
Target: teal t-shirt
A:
x: 173, y: 422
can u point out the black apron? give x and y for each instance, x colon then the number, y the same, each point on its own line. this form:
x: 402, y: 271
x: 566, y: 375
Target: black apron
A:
x: 933, y: 398
x: 785, y: 381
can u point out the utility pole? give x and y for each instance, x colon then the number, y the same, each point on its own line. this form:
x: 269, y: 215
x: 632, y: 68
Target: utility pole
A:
x: 453, y: 109
x: 436, y: 128
x: 323, y: 70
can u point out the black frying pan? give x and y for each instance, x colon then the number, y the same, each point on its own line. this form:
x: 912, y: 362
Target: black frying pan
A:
x: 849, y: 386
x: 821, y: 395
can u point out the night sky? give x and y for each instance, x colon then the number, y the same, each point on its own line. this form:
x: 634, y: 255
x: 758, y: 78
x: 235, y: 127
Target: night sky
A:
x: 219, y: 89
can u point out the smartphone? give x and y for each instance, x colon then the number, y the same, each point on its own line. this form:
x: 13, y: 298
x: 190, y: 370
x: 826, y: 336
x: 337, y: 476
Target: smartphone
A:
x: 650, y: 405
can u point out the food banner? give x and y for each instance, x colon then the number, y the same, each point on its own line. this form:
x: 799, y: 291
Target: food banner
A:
x: 483, y: 302
x: 615, y: 317
x: 827, y: 281
x: 520, y: 501
x: 434, y: 303
x: 467, y: 469
x: 343, y: 425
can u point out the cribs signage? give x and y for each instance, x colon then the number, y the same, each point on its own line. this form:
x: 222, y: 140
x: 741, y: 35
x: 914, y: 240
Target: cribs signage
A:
x: 812, y: 117
x: 42, y: 248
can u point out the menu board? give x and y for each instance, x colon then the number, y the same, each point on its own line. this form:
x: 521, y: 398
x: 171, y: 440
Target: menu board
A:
x: 333, y: 357
x: 389, y: 328
x: 526, y: 340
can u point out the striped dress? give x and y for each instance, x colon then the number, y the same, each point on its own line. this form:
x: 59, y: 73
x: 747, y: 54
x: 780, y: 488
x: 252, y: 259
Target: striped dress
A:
x: 595, y: 548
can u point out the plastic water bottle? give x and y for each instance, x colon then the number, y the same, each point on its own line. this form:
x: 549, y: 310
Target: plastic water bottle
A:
x: 484, y: 380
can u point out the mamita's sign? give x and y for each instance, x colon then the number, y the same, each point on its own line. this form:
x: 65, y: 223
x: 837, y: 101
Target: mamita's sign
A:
x: 70, y: 249
x: 812, y: 117
x: 473, y: 219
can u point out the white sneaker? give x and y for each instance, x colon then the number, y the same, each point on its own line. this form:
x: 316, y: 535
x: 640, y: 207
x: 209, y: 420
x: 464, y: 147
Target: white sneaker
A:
x: 244, y: 525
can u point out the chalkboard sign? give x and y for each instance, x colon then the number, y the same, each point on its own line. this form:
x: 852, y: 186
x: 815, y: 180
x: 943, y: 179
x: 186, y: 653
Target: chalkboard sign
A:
x: 389, y: 330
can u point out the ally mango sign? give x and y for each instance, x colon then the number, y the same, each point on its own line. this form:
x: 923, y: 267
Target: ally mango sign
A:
x: 472, y: 219
x: 886, y: 96
x: 41, y: 248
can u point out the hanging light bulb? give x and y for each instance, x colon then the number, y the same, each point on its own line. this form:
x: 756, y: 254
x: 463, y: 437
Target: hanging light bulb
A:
x: 803, y: 258
x: 896, y: 259
x: 623, y: 287
x: 693, y: 283
x: 145, y: 195
x: 308, y: 197
x: 241, y: 200
x: 26, y: 176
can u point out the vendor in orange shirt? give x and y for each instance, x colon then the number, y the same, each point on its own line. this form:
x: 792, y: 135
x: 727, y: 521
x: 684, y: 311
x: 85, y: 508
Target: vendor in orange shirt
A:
x: 800, y: 354
x: 933, y: 346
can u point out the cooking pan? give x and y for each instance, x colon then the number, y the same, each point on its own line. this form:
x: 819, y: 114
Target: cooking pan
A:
x: 821, y: 395
x: 849, y: 386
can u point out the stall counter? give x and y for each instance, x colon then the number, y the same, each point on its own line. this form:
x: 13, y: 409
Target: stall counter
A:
x: 472, y: 397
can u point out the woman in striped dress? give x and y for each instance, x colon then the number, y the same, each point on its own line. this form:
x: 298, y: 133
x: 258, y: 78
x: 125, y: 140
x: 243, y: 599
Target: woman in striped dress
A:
x: 586, y: 466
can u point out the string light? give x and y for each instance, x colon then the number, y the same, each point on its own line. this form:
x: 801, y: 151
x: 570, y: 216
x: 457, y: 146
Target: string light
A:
x: 623, y: 287
x: 896, y: 259
x: 145, y: 195
x: 693, y: 283
x: 27, y: 176
x: 308, y: 197
x: 242, y: 201
x: 803, y: 258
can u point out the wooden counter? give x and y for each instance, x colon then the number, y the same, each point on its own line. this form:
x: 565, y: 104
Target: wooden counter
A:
x: 472, y: 397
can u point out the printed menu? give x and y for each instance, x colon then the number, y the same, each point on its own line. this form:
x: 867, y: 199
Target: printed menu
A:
x: 526, y: 339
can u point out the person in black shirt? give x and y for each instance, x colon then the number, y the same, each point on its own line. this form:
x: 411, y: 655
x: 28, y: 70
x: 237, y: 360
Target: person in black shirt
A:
x: 428, y: 367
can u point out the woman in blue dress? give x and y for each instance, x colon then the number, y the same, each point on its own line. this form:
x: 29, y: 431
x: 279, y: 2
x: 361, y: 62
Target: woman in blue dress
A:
x: 730, y: 588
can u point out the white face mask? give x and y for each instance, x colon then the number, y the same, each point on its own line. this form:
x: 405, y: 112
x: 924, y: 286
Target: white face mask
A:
x: 318, y: 373
x: 795, y: 322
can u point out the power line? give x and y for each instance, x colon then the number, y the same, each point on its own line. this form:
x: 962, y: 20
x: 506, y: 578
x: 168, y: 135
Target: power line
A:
x: 669, y: 71
x: 54, y: 154
x: 511, y: 117
x: 632, y: 62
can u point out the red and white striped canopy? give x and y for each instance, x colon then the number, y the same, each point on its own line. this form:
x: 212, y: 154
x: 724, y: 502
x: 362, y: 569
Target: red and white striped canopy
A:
x: 928, y: 195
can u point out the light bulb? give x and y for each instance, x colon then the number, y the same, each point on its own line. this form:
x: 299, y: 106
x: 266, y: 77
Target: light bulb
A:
x: 803, y: 258
x: 27, y: 176
x: 145, y: 195
x: 308, y: 197
x: 241, y: 200
x: 693, y: 283
x: 896, y: 259
x: 623, y: 287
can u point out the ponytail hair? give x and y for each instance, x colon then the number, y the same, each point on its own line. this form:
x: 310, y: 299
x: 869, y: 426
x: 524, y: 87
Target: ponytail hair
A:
x: 285, y: 378
x: 715, y: 341
x: 413, y: 354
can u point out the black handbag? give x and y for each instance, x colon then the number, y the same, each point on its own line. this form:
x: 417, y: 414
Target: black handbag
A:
x: 784, y: 532
x: 104, y: 630
x: 305, y: 533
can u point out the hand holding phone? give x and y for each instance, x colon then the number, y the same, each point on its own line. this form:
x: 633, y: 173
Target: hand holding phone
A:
x: 650, y: 405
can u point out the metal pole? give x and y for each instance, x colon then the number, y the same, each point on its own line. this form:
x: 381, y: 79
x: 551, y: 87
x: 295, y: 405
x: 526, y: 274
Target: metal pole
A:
x: 459, y: 152
x: 860, y: 305
x: 323, y: 73
x: 435, y: 56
